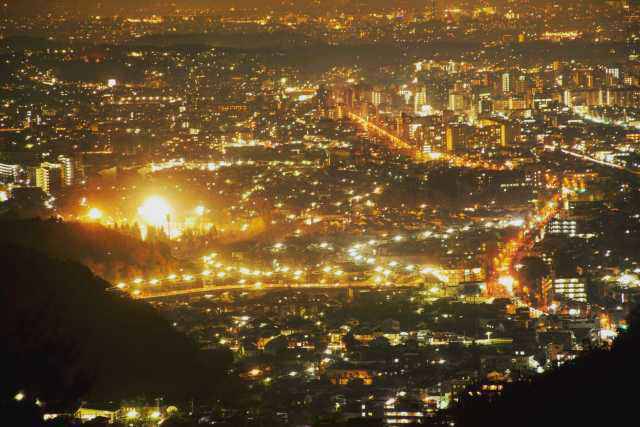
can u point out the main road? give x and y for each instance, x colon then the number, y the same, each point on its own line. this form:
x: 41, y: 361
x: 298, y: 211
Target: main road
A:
x: 397, y: 143
x: 599, y: 162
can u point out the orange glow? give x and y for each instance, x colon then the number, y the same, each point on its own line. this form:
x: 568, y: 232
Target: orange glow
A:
x: 155, y: 211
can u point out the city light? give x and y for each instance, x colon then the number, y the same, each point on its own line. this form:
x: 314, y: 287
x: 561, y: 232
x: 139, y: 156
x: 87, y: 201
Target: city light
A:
x: 95, y: 214
x: 339, y: 236
x: 155, y: 211
x: 132, y: 414
x: 507, y: 282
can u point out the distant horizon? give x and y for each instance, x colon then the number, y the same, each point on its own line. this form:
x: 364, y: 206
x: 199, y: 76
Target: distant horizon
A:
x: 33, y: 7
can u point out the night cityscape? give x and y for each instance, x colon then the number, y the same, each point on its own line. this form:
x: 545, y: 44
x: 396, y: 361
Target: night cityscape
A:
x: 319, y: 213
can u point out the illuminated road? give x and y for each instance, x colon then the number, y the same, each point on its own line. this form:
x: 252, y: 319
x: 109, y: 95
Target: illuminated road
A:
x: 599, y: 162
x: 217, y: 277
x: 503, y: 282
x: 268, y: 287
x: 395, y: 142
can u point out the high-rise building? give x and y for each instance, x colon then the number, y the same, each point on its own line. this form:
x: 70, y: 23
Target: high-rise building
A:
x: 49, y: 177
x: 420, y: 100
x: 567, y: 98
x: 572, y: 288
x: 485, y: 105
x: 522, y: 85
x: 72, y: 170
x: 504, y: 130
x: 432, y: 134
x: 563, y: 226
x: 405, y: 123
x: 487, y: 136
x: 456, y: 137
x: 9, y: 174
x: 376, y: 97
x: 457, y: 101
x: 613, y: 71
x: 506, y: 82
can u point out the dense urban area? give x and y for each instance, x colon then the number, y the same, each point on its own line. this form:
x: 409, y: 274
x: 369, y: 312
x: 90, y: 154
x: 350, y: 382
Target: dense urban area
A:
x: 319, y: 213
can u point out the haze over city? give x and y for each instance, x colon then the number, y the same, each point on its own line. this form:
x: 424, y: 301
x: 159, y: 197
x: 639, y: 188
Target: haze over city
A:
x: 319, y: 213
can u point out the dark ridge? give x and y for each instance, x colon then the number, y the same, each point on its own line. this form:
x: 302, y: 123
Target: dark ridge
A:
x: 68, y: 336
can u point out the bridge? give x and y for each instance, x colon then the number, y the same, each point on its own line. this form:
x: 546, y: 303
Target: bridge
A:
x: 208, y: 289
